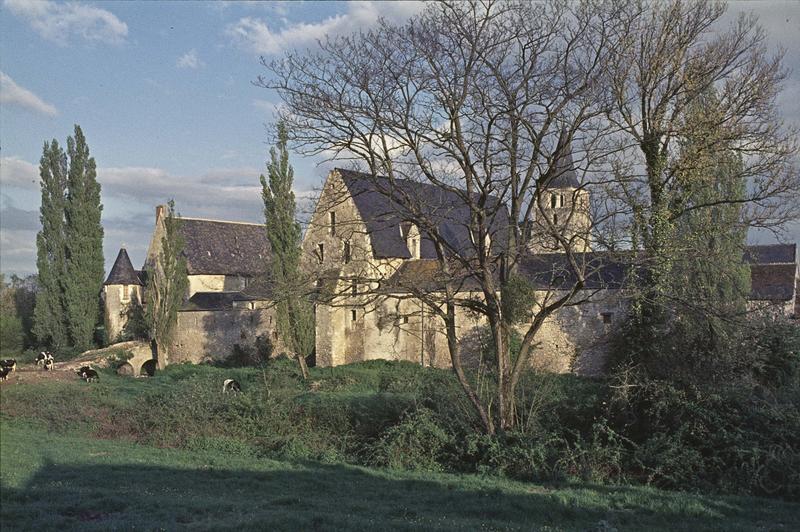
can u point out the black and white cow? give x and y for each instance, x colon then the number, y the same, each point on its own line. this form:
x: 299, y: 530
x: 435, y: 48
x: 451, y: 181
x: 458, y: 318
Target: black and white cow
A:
x: 4, y: 371
x: 41, y: 357
x: 88, y: 374
x: 48, y: 364
x: 230, y: 385
x: 9, y: 363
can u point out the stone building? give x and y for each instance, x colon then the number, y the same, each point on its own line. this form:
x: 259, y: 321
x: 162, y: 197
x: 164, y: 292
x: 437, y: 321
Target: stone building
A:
x: 368, y: 259
x: 227, y: 304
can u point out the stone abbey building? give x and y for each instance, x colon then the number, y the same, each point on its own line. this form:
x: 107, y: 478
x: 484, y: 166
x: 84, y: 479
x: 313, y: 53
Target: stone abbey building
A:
x: 368, y: 259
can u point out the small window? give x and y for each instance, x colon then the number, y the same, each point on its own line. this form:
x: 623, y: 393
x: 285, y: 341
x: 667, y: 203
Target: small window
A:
x: 346, y: 252
x: 332, y: 218
x: 561, y: 200
x: 321, y: 252
x: 252, y: 305
x: 354, y: 288
x: 553, y: 201
x: 608, y: 317
x: 353, y: 315
x: 555, y: 218
x: 405, y: 319
x: 126, y: 292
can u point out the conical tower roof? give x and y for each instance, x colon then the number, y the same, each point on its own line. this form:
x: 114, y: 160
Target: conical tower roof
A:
x: 122, y: 272
x: 565, y: 168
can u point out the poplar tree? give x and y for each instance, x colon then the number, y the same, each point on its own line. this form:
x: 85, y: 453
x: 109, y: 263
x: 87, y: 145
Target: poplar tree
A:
x: 295, y: 317
x: 167, y: 284
x: 83, y: 282
x: 50, y: 326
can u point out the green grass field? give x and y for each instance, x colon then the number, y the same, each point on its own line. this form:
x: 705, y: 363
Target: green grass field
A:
x: 171, y: 452
x: 52, y: 481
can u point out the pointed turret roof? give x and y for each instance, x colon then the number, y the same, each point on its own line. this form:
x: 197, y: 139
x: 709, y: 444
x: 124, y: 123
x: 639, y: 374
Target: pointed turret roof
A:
x: 122, y: 272
x: 565, y: 168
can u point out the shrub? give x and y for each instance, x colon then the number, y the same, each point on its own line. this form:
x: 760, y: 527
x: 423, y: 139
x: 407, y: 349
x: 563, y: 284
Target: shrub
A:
x: 417, y: 443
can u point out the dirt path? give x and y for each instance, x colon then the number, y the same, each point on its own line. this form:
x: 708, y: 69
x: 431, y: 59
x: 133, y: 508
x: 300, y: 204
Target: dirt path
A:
x: 33, y: 374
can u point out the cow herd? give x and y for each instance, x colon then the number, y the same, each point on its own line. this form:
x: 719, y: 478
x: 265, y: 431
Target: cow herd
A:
x: 46, y: 360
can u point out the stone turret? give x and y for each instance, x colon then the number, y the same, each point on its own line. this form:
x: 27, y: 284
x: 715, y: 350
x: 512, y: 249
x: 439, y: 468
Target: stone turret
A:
x: 122, y: 288
x: 564, y: 203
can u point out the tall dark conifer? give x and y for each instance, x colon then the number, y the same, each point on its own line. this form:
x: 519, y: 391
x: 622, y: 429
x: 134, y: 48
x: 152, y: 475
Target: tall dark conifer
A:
x: 50, y: 326
x: 84, y: 244
x: 295, y: 317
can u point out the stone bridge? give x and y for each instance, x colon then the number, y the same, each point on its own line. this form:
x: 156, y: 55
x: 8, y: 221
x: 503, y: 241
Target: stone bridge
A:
x: 143, y: 362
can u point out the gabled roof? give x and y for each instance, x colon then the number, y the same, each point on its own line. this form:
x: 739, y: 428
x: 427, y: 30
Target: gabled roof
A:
x: 383, y: 204
x: 123, y: 272
x: 224, y: 248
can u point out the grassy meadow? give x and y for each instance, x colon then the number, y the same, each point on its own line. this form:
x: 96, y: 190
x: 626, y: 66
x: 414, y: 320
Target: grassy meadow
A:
x: 172, y: 452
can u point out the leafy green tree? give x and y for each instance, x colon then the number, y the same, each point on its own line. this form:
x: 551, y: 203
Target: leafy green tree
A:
x: 50, y: 326
x: 295, y: 315
x: 83, y: 282
x: 12, y: 335
x: 167, y: 285
x: 691, y: 327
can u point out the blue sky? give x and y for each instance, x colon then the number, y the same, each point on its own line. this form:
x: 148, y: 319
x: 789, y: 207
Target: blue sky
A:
x: 163, y: 93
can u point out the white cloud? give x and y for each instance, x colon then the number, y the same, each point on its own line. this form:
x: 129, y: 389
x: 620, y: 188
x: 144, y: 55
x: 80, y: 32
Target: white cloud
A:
x: 190, y: 60
x: 255, y: 35
x: 60, y: 22
x: 18, y: 173
x: 13, y: 94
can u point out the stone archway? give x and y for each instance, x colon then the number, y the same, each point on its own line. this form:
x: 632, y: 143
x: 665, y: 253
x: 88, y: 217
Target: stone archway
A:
x: 148, y: 368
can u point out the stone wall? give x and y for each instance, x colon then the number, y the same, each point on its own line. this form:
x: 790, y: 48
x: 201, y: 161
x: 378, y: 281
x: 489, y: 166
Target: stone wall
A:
x: 575, y: 339
x: 211, y: 335
x: 115, y: 308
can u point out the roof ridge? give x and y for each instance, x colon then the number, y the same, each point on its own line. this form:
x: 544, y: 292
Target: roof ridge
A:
x: 193, y: 218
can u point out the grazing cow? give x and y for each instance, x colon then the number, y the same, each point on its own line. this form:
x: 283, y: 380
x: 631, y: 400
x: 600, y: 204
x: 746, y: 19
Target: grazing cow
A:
x: 9, y: 363
x: 48, y: 364
x: 88, y: 374
x: 4, y: 371
x: 41, y: 358
x: 231, y: 385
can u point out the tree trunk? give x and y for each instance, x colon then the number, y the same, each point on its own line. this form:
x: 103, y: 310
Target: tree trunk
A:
x: 301, y: 360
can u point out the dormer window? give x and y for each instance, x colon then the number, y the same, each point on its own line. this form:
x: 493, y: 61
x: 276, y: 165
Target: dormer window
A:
x: 332, y: 220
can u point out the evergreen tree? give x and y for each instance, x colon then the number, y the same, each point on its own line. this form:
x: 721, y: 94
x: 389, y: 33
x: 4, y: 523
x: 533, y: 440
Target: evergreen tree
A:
x: 84, y: 244
x: 295, y: 315
x: 49, y: 314
x: 167, y: 284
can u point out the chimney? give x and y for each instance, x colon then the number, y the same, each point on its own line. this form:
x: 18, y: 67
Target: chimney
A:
x: 159, y: 212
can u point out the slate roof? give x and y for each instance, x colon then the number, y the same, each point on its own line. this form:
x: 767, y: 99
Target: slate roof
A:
x: 771, y: 254
x: 122, y: 272
x: 604, y: 270
x: 229, y: 248
x: 565, y: 167
x: 772, y: 282
x: 384, y: 216
x: 211, y: 301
